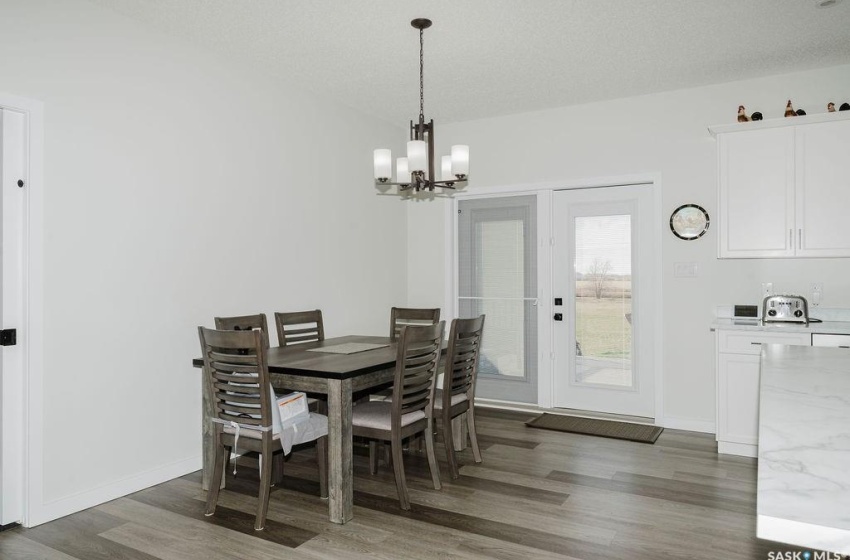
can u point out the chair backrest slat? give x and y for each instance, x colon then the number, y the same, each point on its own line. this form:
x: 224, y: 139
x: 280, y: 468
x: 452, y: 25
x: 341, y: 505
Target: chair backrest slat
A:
x: 299, y: 326
x: 416, y: 369
x: 236, y: 370
x: 404, y: 316
x: 245, y: 323
x: 462, y: 357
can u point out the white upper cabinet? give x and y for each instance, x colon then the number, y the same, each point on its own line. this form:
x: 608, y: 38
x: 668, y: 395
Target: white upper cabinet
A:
x: 784, y: 188
x: 823, y: 189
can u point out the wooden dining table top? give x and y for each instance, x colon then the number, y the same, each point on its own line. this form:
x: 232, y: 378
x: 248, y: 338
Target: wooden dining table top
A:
x: 297, y: 360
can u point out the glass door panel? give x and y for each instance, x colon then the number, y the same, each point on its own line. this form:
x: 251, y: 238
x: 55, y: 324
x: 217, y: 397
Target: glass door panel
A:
x: 603, y: 301
x: 497, y: 277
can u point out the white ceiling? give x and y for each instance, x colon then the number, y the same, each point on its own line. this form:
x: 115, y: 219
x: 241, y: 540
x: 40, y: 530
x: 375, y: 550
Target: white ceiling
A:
x: 492, y: 57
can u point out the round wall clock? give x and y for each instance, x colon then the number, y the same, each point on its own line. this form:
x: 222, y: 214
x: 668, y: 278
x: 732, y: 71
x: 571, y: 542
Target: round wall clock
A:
x: 689, y: 222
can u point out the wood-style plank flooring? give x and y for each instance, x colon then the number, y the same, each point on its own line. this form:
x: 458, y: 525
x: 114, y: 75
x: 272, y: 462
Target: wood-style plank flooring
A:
x: 538, y: 494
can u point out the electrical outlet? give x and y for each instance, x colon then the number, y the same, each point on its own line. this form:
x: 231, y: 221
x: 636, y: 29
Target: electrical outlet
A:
x: 817, y: 293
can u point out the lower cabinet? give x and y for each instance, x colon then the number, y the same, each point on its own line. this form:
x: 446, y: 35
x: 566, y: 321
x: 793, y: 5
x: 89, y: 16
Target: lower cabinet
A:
x: 738, y: 356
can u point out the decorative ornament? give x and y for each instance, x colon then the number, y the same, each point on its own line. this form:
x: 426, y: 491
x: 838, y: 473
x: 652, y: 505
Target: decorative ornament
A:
x: 800, y: 112
x: 844, y: 107
x: 830, y: 107
x: 789, y: 110
x: 757, y: 116
x: 742, y: 114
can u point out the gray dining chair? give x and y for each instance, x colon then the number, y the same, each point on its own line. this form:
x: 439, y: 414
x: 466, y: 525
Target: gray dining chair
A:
x: 403, y: 316
x: 411, y: 410
x: 236, y: 370
x: 245, y: 323
x: 299, y: 326
x: 457, y: 395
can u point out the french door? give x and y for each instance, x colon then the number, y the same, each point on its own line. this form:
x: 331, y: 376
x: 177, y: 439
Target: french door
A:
x: 603, y: 286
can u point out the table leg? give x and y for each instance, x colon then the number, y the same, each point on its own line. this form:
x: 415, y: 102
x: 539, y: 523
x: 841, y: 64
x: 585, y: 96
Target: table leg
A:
x: 340, y: 466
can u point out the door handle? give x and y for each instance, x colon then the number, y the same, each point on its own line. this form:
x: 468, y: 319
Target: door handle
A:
x: 558, y: 317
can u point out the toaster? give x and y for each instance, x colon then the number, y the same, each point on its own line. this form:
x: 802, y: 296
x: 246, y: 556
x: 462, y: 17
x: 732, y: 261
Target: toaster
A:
x: 785, y: 309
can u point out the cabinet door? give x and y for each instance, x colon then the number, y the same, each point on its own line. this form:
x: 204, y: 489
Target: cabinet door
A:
x: 756, y: 198
x: 823, y: 190
x: 738, y: 398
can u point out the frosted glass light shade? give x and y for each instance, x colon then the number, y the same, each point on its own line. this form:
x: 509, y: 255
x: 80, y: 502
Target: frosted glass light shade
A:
x: 446, y: 173
x: 402, y: 173
x: 383, y: 165
x: 417, y: 155
x: 460, y: 160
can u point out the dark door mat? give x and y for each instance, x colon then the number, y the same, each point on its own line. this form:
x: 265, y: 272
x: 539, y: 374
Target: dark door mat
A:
x: 642, y: 433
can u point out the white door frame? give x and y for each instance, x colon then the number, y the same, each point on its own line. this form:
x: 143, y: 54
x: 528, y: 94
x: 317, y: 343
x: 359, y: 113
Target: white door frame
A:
x: 31, y: 329
x: 545, y: 375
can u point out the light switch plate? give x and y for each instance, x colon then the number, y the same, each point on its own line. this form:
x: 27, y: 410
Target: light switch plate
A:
x: 685, y: 270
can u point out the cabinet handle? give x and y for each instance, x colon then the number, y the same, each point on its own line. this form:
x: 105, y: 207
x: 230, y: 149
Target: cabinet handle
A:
x: 844, y: 346
x: 800, y: 238
x: 791, y: 238
x: 756, y: 343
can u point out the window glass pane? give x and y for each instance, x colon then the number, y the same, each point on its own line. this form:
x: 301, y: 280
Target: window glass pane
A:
x: 603, y: 300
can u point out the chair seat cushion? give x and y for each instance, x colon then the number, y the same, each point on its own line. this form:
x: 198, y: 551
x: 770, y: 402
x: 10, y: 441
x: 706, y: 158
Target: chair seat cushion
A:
x: 438, y: 399
x: 248, y: 433
x: 377, y: 414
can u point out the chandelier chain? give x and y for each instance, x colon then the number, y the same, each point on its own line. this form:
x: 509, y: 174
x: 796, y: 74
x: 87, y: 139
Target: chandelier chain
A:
x: 421, y: 75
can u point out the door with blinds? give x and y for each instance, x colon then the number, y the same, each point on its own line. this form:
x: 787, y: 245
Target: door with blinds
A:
x: 497, y: 277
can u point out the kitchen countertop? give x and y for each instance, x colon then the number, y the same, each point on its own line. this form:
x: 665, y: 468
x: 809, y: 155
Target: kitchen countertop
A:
x: 804, y: 447
x: 827, y: 327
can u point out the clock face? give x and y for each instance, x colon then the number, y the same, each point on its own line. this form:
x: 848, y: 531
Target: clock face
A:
x: 689, y: 222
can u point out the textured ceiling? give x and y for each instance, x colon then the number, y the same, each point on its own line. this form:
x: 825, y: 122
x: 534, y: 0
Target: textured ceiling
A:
x: 492, y: 57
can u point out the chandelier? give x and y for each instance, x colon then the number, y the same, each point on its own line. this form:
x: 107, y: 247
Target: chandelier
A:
x: 416, y: 171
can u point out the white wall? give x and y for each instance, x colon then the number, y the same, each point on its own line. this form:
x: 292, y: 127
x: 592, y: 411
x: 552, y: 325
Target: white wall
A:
x: 178, y: 187
x: 662, y: 133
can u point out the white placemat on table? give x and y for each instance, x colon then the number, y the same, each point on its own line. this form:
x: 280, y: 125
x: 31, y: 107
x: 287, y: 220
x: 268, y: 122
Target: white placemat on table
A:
x: 348, y: 348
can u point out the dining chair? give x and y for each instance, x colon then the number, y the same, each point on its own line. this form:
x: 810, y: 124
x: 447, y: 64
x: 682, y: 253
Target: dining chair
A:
x: 299, y: 326
x: 411, y: 410
x: 403, y: 316
x: 236, y: 371
x: 457, y: 395
x: 245, y: 323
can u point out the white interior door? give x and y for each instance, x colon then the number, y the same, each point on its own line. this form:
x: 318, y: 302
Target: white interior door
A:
x: 603, y: 277
x: 12, y: 170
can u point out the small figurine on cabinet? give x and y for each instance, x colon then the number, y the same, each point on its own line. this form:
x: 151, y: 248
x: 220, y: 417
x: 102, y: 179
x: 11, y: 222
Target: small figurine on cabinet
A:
x: 742, y: 114
x: 844, y: 107
x: 830, y: 107
x: 800, y: 112
x: 757, y: 116
x: 789, y: 110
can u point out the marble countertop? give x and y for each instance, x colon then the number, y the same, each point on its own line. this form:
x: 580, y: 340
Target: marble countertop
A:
x: 804, y: 447
x: 827, y: 327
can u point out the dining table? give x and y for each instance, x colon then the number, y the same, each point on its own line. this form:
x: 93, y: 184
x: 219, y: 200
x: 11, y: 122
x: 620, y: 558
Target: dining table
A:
x: 315, y: 368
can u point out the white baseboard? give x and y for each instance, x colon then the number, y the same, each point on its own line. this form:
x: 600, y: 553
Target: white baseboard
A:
x: 687, y: 424
x: 112, y: 491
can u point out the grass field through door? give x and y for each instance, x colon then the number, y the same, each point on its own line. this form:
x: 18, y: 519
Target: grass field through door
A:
x: 602, y: 328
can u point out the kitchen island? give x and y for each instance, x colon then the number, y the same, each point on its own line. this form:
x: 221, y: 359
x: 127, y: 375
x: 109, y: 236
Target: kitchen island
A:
x: 804, y: 447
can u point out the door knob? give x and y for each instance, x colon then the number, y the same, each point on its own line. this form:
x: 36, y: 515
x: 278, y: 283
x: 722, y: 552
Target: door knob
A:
x: 558, y: 317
